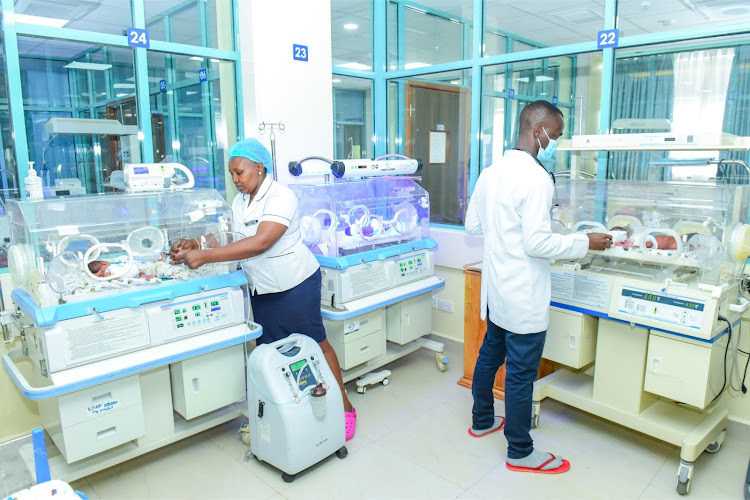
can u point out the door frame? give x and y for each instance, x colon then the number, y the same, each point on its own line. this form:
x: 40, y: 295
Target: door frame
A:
x: 466, y: 92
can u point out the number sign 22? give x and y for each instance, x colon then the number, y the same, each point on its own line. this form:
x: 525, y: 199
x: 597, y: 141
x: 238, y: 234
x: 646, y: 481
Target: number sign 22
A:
x: 608, y: 39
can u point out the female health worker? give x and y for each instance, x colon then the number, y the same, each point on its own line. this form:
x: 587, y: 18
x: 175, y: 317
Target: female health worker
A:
x: 284, y: 277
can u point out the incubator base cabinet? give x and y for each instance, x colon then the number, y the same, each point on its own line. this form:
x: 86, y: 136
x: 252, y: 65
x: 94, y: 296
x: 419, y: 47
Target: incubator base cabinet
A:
x: 129, y: 353
x: 644, y: 331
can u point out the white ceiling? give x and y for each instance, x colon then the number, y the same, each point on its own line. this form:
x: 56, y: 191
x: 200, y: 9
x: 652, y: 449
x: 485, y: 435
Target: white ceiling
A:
x: 547, y: 22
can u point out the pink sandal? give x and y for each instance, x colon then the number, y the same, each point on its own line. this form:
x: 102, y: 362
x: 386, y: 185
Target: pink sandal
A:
x: 350, y: 419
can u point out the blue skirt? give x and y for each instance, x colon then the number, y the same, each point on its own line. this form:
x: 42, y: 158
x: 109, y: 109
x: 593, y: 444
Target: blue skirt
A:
x: 293, y: 311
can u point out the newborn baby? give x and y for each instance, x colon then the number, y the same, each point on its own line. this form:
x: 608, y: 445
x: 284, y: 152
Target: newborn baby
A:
x: 146, y: 270
x: 105, y: 268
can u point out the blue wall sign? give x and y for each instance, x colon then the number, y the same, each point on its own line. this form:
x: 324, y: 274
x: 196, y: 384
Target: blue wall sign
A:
x: 554, y: 100
x: 299, y: 52
x: 138, y: 38
x: 162, y: 85
x: 511, y: 93
x: 203, y: 75
x: 608, y: 39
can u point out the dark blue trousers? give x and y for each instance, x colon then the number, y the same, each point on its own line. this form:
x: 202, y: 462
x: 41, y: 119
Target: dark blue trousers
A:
x: 521, y: 354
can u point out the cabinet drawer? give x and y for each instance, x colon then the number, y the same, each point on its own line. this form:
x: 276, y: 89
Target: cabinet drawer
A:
x: 103, y: 433
x: 99, y: 400
x: 363, y: 350
x: 356, y: 328
x: 571, y: 338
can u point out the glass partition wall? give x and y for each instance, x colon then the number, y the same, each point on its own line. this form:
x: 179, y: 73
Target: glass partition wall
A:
x: 477, y: 63
x: 173, y: 102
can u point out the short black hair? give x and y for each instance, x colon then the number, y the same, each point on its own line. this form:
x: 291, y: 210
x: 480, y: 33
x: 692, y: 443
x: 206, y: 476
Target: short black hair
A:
x: 537, y: 112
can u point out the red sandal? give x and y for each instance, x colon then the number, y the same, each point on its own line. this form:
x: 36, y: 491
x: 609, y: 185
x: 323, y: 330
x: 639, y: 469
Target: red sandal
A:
x: 499, y: 428
x: 565, y: 467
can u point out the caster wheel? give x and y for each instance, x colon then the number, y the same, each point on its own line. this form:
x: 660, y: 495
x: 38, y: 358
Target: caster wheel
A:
x: 535, y: 410
x: 342, y: 452
x: 245, y: 437
x: 248, y: 457
x: 288, y: 478
x: 684, y: 476
x: 361, y: 389
x: 441, y: 361
x: 683, y: 488
x: 716, y: 445
x: 386, y: 381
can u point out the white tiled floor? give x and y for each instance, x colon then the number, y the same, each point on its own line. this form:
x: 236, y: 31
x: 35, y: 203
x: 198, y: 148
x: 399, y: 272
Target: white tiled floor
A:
x: 412, y: 442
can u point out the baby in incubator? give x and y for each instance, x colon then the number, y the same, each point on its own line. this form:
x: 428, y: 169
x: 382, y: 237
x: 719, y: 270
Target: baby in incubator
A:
x: 135, y: 269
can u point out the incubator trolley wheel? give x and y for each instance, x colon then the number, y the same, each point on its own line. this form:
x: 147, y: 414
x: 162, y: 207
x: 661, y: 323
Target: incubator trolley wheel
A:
x: 716, y: 445
x: 342, y: 452
x: 441, y: 361
x: 536, y: 407
x: 684, y: 475
x: 288, y: 478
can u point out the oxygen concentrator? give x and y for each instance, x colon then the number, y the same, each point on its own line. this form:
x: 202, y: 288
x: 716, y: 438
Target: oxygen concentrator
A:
x: 295, y: 406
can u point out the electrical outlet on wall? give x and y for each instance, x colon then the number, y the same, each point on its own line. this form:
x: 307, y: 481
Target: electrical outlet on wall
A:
x: 445, y: 306
x: 434, y: 302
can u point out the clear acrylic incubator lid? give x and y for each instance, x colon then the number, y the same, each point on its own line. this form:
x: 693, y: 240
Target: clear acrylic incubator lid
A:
x: 67, y: 248
x: 696, y: 229
x: 350, y: 217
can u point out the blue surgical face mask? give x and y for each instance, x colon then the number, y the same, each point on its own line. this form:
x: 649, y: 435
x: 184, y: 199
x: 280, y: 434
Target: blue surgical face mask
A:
x: 547, y: 153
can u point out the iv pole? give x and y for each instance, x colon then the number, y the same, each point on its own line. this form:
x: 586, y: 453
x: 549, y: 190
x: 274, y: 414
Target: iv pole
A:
x: 272, y: 126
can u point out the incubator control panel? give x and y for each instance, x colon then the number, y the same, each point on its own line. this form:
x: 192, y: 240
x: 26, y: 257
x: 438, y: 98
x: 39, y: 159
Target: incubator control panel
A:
x: 683, y: 310
x: 412, y: 267
x: 668, y: 308
x: 195, y: 316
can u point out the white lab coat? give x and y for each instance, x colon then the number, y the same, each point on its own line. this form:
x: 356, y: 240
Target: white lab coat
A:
x: 511, y: 208
x: 288, y: 262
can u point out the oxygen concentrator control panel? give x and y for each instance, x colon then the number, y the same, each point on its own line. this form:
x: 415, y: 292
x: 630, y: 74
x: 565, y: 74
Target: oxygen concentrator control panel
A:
x: 302, y: 373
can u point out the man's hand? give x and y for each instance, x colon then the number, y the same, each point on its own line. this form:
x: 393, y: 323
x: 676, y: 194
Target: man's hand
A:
x: 599, y: 241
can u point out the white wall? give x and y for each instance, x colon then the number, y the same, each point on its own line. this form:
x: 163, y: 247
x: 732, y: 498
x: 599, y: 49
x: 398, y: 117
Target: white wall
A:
x: 276, y: 88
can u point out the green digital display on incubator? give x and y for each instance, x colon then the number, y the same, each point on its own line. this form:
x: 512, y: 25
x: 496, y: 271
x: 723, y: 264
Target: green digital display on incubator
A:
x: 196, y: 308
x: 215, y: 303
x: 651, y: 297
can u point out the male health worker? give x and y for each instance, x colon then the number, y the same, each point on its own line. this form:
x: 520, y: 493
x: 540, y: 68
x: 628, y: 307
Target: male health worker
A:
x: 511, y: 208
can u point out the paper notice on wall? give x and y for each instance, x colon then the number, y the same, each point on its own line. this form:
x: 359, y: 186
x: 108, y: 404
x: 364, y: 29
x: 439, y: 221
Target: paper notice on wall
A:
x: 90, y: 338
x: 438, y: 147
x: 583, y: 290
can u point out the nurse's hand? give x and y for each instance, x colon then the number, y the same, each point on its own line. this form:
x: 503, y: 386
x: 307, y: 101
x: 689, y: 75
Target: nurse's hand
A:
x: 191, y: 258
x: 599, y: 241
x: 183, y: 246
